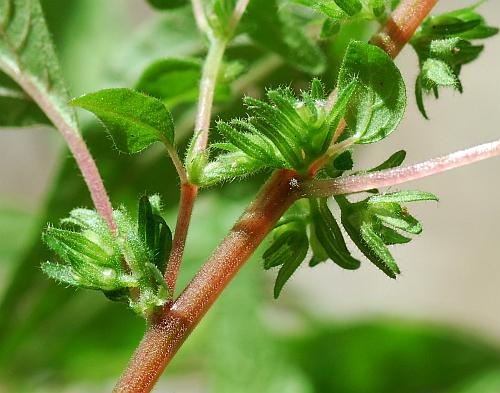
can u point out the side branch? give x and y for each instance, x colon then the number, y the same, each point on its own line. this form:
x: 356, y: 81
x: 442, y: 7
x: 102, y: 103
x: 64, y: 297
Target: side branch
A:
x: 392, y: 177
x: 188, y: 195
x: 211, y: 69
x: 164, y: 337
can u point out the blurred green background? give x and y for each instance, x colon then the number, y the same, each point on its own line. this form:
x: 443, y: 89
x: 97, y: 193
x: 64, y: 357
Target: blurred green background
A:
x: 435, y: 330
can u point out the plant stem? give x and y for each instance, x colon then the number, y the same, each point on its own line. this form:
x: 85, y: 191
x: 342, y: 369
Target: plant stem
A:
x: 208, y: 81
x: 75, y: 142
x: 174, y: 156
x: 164, y: 337
x: 211, y: 69
x: 392, y: 177
x: 189, y: 191
x: 402, y: 24
x: 199, y: 16
x: 188, y: 195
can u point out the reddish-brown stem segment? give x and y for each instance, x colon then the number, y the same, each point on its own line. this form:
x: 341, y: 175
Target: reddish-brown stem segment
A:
x: 188, y: 195
x: 164, y: 337
x: 402, y: 24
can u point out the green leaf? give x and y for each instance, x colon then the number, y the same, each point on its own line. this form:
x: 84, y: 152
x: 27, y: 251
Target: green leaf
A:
x: 419, y: 96
x: 61, y: 273
x: 393, y: 214
x: 379, y: 101
x: 154, y: 231
x: 264, y: 19
x: 283, y: 246
x: 393, y: 161
x: 329, y: 28
x: 167, y: 4
x: 288, y: 250
x: 133, y: 119
x: 378, y: 251
x: 146, y: 225
x: 27, y: 54
x: 171, y: 80
x: 389, y: 236
x: 175, y: 81
x: 378, y: 7
x: 403, y: 197
x: 163, y: 244
x: 329, y: 235
x: 350, y: 7
x: 442, y: 45
x: 339, y: 110
x: 295, y: 256
x: 437, y: 73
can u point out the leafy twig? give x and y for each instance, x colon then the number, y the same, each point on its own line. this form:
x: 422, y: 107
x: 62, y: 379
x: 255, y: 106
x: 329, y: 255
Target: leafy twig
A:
x: 163, y: 338
x: 208, y: 81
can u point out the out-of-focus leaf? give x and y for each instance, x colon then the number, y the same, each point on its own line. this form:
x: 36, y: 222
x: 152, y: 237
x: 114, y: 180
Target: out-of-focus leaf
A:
x: 176, y: 81
x: 24, y: 38
x: 167, y: 4
x: 262, y: 20
x: 422, y: 358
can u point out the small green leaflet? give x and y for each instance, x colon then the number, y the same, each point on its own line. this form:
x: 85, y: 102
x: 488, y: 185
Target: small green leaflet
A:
x: 154, y: 231
x: 28, y: 56
x: 443, y: 45
x: 328, y: 237
x: 288, y: 250
x: 379, y: 101
x: 371, y: 224
x: 350, y: 7
x: 134, y: 120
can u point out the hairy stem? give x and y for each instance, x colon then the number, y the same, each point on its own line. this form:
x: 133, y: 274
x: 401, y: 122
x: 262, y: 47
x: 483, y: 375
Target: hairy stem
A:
x: 208, y: 81
x: 211, y: 69
x: 75, y: 142
x: 188, y: 195
x: 174, y: 156
x: 392, y: 177
x: 402, y: 24
x: 165, y: 336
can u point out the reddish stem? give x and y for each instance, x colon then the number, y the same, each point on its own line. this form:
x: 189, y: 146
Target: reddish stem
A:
x: 392, y: 177
x: 188, y: 196
x: 73, y: 139
x: 165, y: 336
x: 402, y: 24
